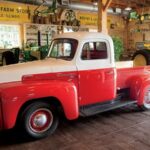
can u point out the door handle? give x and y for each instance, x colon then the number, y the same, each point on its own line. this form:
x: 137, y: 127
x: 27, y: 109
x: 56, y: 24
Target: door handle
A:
x: 109, y: 72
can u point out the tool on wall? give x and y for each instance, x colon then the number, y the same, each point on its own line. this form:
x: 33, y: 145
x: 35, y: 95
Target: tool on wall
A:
x: 70, y: 19
x: 48, y: 11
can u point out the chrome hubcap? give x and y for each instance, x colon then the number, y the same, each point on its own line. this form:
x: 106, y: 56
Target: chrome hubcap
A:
x: 40, y: 120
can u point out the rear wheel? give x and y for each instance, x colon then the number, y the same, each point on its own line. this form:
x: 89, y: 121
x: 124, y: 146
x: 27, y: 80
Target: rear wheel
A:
x: 146, y: 100
x: 39, y: 120
x: 141, y: 58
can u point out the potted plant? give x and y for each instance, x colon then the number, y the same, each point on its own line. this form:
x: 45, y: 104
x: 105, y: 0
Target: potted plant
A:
x: 118, y: 47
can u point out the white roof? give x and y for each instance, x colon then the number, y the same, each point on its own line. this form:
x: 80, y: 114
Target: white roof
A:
x: 83, y: 35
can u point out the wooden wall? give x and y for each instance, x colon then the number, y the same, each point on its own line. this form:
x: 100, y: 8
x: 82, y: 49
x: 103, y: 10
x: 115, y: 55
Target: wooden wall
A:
x: 117, y: 27
x: 138, y: 32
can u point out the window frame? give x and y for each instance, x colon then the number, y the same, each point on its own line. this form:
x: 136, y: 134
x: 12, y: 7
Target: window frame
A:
x: 63, y: 39
x: 95, y: 42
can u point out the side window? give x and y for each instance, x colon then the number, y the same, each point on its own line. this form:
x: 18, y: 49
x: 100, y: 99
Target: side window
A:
x: 61, y: 49
x: 94, y: 50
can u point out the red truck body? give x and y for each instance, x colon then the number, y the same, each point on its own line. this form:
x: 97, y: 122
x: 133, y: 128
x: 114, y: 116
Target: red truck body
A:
x: 78, y: 91
x: 39, y: 86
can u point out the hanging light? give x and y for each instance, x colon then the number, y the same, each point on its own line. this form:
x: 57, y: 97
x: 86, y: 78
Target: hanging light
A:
x: 95, y: 2
x: 128, y: 8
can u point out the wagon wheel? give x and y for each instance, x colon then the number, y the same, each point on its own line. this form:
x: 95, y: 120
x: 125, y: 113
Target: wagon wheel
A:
x: 141, y: 58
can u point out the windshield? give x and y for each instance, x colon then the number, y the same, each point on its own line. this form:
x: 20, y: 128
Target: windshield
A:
x: 63, y: 48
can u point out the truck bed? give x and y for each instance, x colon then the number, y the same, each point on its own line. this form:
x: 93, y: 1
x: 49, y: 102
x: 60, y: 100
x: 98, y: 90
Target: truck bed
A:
x: 125, y: 71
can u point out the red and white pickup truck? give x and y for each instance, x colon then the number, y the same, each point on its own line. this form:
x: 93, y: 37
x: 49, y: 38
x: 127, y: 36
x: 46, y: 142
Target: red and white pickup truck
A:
x: 78, y: 78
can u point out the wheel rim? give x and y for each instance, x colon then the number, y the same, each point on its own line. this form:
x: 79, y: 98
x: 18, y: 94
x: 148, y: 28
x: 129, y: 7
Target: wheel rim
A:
x: 139, y: 60
x: 147, y: 98
x: 41, y: 120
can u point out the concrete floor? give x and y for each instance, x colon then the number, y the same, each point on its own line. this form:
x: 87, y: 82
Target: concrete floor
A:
x: 122, y: 129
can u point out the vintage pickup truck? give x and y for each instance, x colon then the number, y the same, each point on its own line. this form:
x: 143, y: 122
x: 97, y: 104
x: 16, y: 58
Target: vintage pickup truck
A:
x: 78, y: 78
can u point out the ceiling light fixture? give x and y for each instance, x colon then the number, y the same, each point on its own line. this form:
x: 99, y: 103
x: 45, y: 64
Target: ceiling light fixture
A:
x: 95, y: 2
x: 128, y: 8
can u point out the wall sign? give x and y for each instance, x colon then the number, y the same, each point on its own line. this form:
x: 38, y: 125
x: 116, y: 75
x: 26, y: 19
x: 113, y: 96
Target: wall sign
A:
x: 87, y: 18
x: 16, y: 12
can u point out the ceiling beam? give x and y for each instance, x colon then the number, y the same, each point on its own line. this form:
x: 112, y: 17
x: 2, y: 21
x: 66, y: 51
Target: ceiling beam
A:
x: 135, y: 4
x: 106, y: 6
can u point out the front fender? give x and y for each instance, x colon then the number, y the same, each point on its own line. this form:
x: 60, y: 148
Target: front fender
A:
x: 138, y: 86
x: 16, y: 94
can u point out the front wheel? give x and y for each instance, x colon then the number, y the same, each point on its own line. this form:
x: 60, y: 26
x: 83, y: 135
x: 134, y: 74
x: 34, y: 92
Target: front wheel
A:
x: 39, y: 120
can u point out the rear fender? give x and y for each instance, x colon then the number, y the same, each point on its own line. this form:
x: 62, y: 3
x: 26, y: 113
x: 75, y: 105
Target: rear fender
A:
x: 138, y: 86
x: 14, y: 97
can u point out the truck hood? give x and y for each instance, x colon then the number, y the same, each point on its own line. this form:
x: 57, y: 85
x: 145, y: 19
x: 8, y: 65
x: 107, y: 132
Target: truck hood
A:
x: 50, y: 65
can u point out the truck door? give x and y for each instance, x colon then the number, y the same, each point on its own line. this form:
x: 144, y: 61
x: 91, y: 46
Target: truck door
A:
x: 97, y: 76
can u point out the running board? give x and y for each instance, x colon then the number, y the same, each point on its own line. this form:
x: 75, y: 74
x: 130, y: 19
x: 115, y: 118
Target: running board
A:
x: 103, y: 107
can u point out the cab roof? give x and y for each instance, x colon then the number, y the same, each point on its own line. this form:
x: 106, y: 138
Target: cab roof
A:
x: 83, y: 35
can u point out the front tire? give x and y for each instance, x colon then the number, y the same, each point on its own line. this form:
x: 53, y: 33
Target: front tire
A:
x: 39, y: 120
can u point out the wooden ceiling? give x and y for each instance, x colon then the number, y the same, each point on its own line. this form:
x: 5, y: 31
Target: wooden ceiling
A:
x: 135, y: 4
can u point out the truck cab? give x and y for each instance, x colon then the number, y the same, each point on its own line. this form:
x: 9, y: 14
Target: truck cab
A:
x: 78, y: 78
x: 93, y: 60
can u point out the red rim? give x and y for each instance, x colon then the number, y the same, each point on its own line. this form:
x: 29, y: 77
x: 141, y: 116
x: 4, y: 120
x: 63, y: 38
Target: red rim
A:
x: 41, y: 120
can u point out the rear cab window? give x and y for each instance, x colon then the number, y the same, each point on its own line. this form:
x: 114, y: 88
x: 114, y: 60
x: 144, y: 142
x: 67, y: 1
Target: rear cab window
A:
x: 94, y: 50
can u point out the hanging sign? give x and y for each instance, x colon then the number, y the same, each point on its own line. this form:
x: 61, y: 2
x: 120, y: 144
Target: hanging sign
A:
x: 87, y: 18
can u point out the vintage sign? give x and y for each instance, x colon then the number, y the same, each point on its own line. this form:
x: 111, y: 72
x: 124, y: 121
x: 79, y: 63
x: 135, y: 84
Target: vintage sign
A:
x: 16, y: 12
x: 87, y: 18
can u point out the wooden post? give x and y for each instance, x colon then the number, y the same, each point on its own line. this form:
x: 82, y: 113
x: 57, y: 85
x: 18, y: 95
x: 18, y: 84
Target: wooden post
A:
x: 102, y: 15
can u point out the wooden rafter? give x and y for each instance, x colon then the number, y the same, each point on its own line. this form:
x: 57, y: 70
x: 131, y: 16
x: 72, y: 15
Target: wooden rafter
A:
x: 106, y: 6
x: 120, y: 3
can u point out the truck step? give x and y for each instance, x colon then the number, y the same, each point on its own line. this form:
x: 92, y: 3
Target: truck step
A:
x: 103, y: 107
